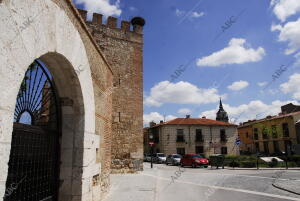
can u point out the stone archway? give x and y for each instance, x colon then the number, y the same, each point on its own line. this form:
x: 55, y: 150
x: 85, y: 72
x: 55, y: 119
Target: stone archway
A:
x: 49, y: 35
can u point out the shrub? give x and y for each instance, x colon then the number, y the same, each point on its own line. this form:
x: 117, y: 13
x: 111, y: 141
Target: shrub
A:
x: 248, y: 164
x: 273, y: 163
x: 231, y: 157
x: 234, y: 164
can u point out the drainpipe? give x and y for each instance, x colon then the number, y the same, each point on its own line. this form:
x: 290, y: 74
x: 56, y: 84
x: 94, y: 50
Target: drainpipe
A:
x: 211, y: 137
x: 189, y: 136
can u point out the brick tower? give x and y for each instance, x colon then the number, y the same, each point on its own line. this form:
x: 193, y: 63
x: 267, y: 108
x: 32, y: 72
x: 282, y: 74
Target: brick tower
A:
x: 123, y: 49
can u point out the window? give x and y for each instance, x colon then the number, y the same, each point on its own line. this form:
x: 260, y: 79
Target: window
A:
x: 266, y: 147
x: 197, y: 156
x: 180, y: 135
x: 276, y: 146
x: 181, y: 151
x: 199, y: 149
x: 285, y: 130
x: 223, y: 135
x: 265, y: 133
x: 199, y: 137
x: 257, y: 147
x: 274, y: 131
x: 223, y: 150
x: 247, y: 135
x: 255, y: 133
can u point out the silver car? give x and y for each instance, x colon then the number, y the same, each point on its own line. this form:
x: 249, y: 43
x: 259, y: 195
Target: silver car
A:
x: 173, y: 159
x: 159, y: 158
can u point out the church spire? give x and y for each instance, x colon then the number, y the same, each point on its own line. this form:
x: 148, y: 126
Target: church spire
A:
x: 221, y: 114
x: 221, y: 105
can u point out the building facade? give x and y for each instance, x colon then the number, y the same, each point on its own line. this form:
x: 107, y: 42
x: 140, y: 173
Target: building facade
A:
x: 271, y: 135
x: 192, y: 135
x: 90, y: 68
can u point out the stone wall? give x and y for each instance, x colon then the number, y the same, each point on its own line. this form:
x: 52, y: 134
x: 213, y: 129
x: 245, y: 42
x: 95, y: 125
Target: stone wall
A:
x: 58, y: 36
x: 123, y: 48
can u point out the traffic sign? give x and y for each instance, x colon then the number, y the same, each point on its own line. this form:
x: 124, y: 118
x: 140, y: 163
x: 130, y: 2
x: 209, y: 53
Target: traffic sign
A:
x: 238, y: 142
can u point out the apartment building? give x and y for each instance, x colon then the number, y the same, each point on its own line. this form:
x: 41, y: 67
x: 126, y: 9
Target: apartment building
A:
x: 272, y: 134
x: 192, y: 135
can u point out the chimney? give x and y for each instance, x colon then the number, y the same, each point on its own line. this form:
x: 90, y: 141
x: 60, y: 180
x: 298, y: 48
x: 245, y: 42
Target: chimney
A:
x: 138, y: 24
x: 152, y: 123
x: 161, y: 121
x: 204, y: 117
x: 187, y: 116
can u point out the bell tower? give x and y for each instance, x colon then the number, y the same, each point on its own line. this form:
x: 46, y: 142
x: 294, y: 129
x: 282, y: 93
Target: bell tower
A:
x: 221, y: 114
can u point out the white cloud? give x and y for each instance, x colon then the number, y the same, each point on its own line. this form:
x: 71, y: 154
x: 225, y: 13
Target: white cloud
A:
x: 234, y: 53
x: 297, y: 62
x: 285, y: 8
x: 289, y: 33
x: 184, y: 111
x: 194, y: 14
x: 104, y: 7
x: 253, y: 110
x: 179, y: 12
x: 239, y: 85
x: 181, y: 93
x: 262, y: 84
x: 292, y: 86
x: 132, y: 8
x: 156, y: 117
x: 197, y: 14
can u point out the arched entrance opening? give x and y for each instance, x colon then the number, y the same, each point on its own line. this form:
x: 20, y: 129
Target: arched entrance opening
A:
x: 33, y: 167
x: 47, y: 146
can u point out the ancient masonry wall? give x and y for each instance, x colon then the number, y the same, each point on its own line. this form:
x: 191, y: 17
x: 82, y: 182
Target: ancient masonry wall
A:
x: 123, y: 49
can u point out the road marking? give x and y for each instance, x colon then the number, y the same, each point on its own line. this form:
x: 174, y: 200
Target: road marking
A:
x: 228, y: 189
x: 239, y: 175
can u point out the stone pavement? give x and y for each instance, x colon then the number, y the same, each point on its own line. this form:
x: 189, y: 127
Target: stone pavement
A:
x: 290, y: 185
x: 202, y: 185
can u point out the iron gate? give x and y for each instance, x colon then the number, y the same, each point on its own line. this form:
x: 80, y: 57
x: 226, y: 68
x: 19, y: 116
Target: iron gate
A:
x: 33, y: 168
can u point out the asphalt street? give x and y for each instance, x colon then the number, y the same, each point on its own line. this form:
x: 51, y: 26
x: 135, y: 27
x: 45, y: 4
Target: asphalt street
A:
x: 169, y: 183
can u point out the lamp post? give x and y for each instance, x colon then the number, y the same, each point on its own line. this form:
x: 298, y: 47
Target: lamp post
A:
x: 151, y: 143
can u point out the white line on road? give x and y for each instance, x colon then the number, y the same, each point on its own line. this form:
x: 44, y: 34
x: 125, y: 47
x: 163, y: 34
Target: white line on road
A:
x: 241, y: 175
x: 227, y: 189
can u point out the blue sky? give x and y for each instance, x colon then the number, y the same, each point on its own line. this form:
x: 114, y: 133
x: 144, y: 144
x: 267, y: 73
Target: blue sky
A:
x: 252, y: 64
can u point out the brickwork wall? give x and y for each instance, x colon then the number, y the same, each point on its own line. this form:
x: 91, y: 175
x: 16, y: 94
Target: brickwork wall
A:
x: 123, y: 48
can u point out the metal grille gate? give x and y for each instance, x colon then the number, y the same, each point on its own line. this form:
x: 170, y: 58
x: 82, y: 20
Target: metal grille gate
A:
x: 33, y: 165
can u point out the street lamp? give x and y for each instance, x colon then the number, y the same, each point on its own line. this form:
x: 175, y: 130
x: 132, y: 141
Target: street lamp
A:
x: 151, y: 145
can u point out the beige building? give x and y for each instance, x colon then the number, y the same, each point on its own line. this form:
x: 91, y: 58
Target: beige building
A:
x: 192, y: 135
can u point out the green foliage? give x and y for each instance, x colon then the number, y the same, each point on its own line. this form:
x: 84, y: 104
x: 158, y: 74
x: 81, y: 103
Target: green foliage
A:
x: 234, y: 164
x: 248, y: 164
x: 273, y: 163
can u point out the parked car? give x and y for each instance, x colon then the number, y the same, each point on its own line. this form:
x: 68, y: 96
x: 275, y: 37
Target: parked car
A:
x: 173, y: 159
x: 159, y: 158
x: 194, y: 160
x: 148, y: 157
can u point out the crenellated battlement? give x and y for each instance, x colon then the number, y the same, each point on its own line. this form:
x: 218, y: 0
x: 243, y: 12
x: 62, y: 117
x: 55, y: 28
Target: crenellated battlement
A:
x: 97, y: 20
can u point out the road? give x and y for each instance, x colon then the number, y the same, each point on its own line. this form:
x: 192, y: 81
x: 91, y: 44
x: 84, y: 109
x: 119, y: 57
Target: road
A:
x: 169, y: 183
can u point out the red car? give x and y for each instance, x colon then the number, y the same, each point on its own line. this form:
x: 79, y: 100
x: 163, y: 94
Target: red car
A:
x: 193, y: 160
